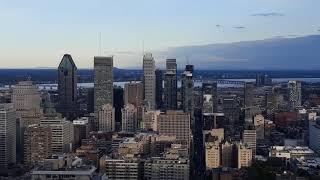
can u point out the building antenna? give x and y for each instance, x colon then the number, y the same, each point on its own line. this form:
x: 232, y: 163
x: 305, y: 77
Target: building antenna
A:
x: 99, y: 43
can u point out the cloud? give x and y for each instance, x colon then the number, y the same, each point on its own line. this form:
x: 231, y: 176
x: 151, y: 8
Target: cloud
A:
x: 218, y: 25
x: 271, y: 14
x: 239, y: 27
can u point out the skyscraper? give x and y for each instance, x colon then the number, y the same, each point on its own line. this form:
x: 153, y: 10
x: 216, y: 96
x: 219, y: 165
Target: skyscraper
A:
x: 231, y: 109
x: 37, y: 144
x: 107, y: 118
x: 187, y: 92
x: 170, y: 85
x: 149, y: 80
x: 210, y: 97
x: 67, y: 87
x: 250, y: 138
x: 133, y: 93
x: 103, y: 83
x: 294, y: 88
x: 159, y: 89
x: 248, y: 94
x: 7, y: 136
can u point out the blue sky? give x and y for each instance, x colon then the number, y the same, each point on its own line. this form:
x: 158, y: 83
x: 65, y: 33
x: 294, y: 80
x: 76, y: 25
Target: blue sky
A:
x: 37, y: 33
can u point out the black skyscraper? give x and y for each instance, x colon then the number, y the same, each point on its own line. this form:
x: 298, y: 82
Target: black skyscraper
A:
x: 67, y: 87
x: 118, y: 104
x: 170, y: 85
x: 159, y: 89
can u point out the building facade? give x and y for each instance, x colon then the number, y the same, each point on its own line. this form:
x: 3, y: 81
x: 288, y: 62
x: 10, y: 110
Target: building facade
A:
x: 149, y: 80
x: 67, y: 87
x: 170, y: 85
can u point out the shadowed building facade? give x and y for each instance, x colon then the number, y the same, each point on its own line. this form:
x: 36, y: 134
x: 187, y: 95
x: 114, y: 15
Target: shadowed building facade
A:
x: 67, y: 87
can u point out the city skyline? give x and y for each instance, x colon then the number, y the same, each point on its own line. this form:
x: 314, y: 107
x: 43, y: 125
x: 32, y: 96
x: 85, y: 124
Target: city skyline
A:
x: 158, y: 27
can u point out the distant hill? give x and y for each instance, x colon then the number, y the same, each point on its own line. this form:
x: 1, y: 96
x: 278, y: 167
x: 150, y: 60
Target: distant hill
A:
x: 277, y: 54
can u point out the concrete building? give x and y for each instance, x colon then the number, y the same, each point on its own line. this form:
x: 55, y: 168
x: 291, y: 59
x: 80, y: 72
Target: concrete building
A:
x: 288, y: 152
x: 61, y: 134
x: 250, y: 138
x: 149, y: 80
x: 7, y: 136
x: 133, y: 93
x: 227, y: 154
x: 129, y: 118
x: 231, y: 109
x: 121, y: 168
x: 212, y: 155
x: 67, y: 87
x: 159, y: 89
x: 166, y: 168
x: 187, y: 92
x: 26, y: 101
x: 175, y: 123
x: 25, y: 97
x: 210, y: 97
x: 244, y: 156
x: 150, y: 120
x: 170, y: 85
x: 103, y: 83
x: 106, y: 117
x: 258, y: 123
x: 294, y: 90
x: 64, y: 167
x: 37, y: 144
x: 249, y: 94
x: 81, y: 130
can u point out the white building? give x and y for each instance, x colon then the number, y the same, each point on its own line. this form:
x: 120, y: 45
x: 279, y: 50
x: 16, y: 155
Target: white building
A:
x: 150, y: 119
x: 106, y: 118
x: 250, y: 138
x: 149, y: 80
x: 61, y: 134
x: 129, y: 118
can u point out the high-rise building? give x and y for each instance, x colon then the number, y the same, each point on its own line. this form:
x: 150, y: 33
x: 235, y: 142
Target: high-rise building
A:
x: 159, y: 89
x: 26, y: 101
x: 210, y: 97
x: 118, y: 105
x: 170, y: 85
x: 250, y: 138
x: 258, y: 123
x: 244, y: 156
x: 61, y: 133
x: 248, y: 94
x: 227, y: 154
x: 263, y: 80
x: 294, y: 88
x: 212, y: 155
x: 37, y: 144
x: 81, y: 130
x: 25, y: 97
x: 103, y: 83
x: 67, y: 87
x: 129, y: 118
x: 149, y: 80
x: 7, y: 136
x: 187, y: 92
x: 106, y: 117
x: 175, y: 123
x: 133, y: 93
x: 231, y: 109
